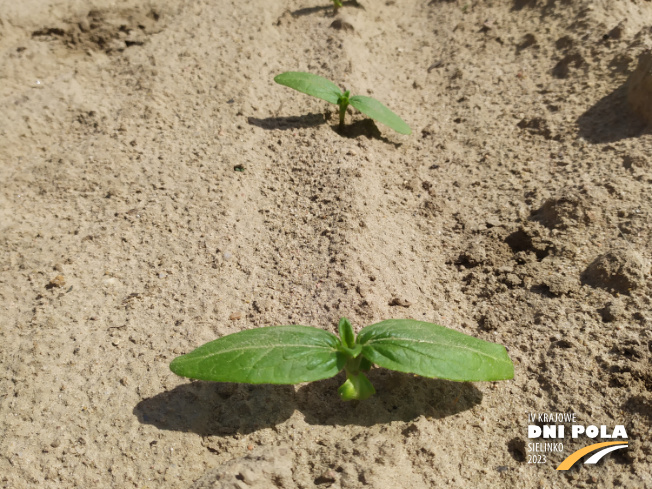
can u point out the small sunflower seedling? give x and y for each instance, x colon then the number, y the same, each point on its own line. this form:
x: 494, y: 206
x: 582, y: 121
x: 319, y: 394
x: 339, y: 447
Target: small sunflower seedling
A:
x: 295, y: 354
x: 324, y: 89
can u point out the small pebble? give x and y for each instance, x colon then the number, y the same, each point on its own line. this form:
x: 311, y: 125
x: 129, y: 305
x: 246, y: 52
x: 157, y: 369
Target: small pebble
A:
x: 235, y: 316
x: 342, y: 25
x: 84, y: 25
x: 329, y: 476
x: 227, y: 256
x: 58, y: 281
x: 399, y: 302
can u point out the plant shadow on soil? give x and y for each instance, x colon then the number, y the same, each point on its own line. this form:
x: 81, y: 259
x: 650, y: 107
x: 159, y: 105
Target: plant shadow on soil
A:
x: 611, y: 119
x: 365, y: 127
x: 214, y: 408
x: 325, y: 8
x: 291, y: 122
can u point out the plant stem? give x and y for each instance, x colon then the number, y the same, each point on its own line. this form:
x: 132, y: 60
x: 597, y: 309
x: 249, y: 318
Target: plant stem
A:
x: 344, y: 103
x: 357, y: 386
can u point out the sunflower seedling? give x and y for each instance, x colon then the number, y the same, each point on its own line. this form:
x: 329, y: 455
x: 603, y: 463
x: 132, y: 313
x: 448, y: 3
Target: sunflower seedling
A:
x: 295, y: 354
x: 324, y: 89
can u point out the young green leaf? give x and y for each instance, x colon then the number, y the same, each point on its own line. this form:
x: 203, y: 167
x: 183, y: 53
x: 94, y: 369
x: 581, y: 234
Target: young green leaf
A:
x: 347, y: 336
x: 377, y: 111
x: 271, y: 355
x: 433, y: 351
x: 326, y: 90
x: 310, y: 84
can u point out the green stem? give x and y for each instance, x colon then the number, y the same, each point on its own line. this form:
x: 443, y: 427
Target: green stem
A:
x: 344, y: 103
x: 357, y: 386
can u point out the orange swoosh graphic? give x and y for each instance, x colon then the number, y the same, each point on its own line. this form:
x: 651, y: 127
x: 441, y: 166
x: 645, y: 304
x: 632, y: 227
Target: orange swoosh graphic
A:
x: 574, y: 457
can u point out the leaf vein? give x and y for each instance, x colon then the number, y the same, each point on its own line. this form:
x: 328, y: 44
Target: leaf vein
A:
x: 443, y: 345
x: 265, y: 347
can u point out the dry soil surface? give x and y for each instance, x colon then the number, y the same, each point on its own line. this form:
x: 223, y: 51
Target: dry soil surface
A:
x: 158, y: 190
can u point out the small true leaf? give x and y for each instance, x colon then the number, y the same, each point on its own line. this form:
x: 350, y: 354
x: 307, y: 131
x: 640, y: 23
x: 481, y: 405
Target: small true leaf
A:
x: 346, y: 333
x: 377, y: 111
x: 310, y: 84
x: 434, y: 351
x: 271, y: 355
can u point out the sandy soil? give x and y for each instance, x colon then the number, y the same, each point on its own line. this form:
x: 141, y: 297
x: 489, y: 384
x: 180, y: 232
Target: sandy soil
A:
x: 158, y: 190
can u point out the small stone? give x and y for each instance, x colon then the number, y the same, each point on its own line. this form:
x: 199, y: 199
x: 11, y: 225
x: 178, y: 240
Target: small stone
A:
x: 329, y: 476
x: 342, y: 24
x: 564, y: 211
x: 612, y: 311
x: 562, y: 68
x: 58, y: 281
x: 513, y: 280
x: 490, y: 321
x: 560, y: 284
x: 430, y: 130
x: 493, y: 222
x: 111, y: 282
x: 620, y: 270
x: 617, y: 32
x: 248, y: 476
x: 84, y: 25
x: 116, y: 45
x: 395, y: 301
x: 538, y: 126
x: 235, y: 316
x: 635, y: 162
x: 474, y: 255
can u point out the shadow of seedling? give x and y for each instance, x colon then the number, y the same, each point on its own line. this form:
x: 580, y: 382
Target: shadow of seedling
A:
x: 399, y: 397
x: 285, y: 123
x: 366, y: 128
x: 610, y: 119
x: 218, y: 409
x: 326, y: 8
x: 215, y: 408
